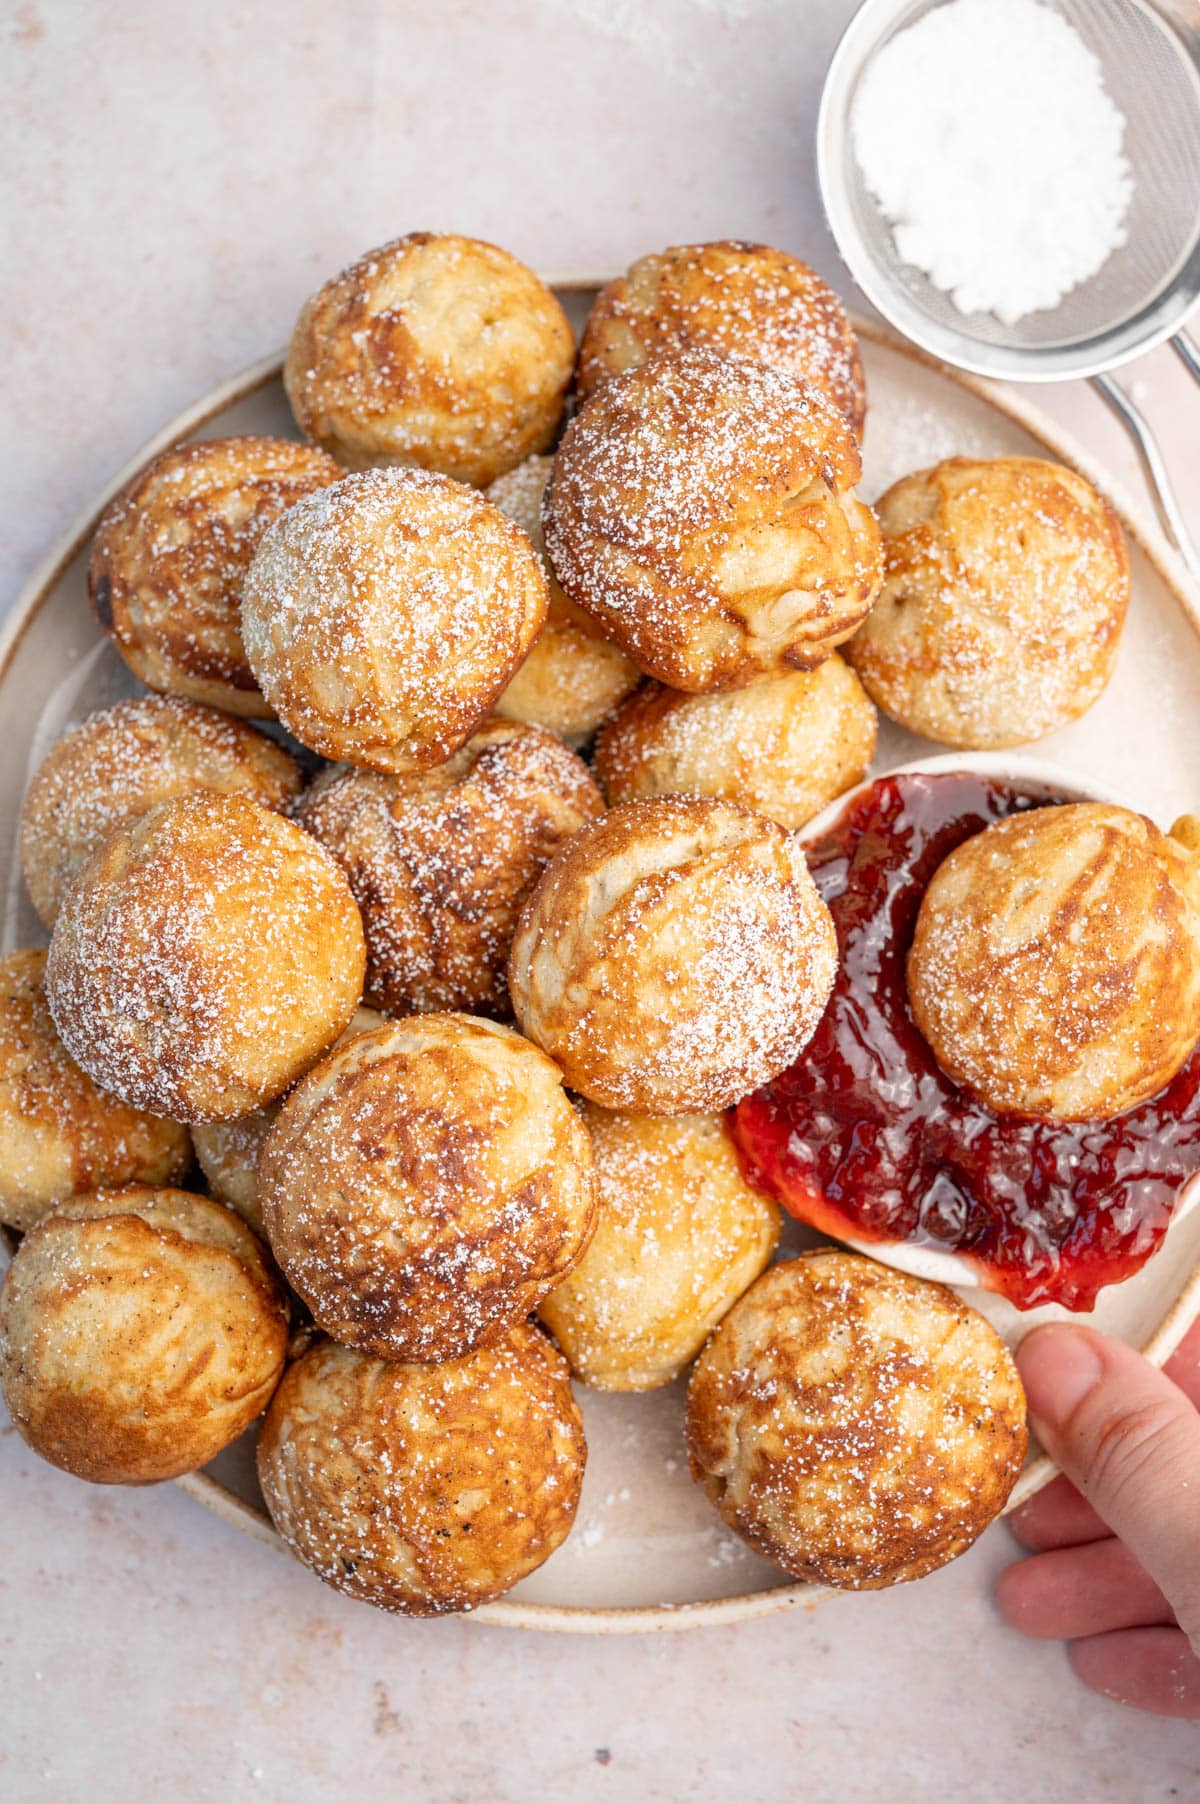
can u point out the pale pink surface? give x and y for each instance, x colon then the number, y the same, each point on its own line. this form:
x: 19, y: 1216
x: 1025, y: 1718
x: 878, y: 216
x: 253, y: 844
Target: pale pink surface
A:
x: 178, y: 178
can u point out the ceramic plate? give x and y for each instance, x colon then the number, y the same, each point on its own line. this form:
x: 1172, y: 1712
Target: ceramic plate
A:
x: 647, y: 1552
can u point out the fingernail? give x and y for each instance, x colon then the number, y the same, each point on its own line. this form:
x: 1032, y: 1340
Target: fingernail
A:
x: 1058, y: 1366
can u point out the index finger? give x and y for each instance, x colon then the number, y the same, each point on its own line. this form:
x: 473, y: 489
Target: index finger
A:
x: 1183, y: 1367
x: 1059, y: 1516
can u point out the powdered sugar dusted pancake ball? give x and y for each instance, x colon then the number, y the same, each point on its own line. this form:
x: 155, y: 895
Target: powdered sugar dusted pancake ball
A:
x: 440, y: 863
x: 122, y: 760
x: 204, y: 957
x: 424, y: 1489
x: 228, y: 1151
x: 1055, y: 967
x: 171, y: 553
x: 384, y: 616
x: 141, y: 1331
x: 425, y: 1187
x: 573, y: 678
x: 703, y: 509
x: 59, y: 1134
x: 738, y: 299
x: 434, y: 350
x: 679, y: 1237
x: 786, y: 746
x: 674, y: 956
x: 856, y: 1426
x: 1004, y: 596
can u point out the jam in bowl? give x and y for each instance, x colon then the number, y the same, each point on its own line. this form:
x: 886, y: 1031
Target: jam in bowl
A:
x: 867, y: 1139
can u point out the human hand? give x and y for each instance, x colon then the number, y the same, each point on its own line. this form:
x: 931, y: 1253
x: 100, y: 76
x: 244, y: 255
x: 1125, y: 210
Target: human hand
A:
x: 1115, y: 1543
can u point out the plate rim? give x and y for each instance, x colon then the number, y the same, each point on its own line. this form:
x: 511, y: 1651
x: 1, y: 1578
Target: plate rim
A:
x: 747, y: 1606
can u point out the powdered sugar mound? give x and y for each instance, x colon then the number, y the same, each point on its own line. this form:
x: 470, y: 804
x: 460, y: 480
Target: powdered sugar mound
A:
x: 986, y: 135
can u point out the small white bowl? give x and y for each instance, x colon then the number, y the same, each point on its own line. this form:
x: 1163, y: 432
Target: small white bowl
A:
x: 1037, y: 773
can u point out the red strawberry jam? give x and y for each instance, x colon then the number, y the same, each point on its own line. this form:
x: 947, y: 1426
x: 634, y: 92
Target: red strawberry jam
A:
x: 866, y: 1138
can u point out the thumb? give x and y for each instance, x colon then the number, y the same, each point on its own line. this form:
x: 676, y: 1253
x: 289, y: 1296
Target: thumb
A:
x: 1130, y: 1441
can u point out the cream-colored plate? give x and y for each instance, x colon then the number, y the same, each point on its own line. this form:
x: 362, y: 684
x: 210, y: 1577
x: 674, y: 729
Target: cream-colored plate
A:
x: 647, y: 1553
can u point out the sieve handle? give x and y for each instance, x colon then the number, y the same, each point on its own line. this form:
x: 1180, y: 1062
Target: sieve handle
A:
x: 1188, y: 353
x: 1150, y: 452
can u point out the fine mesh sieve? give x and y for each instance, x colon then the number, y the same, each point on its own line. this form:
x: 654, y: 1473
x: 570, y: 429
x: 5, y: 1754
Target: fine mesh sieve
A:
x: 1149, y: 51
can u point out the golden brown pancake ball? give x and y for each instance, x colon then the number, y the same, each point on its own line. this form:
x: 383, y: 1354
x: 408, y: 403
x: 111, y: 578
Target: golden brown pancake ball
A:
x: 435, y: 350
x: 122, y: 760
x: 384, y: 616
x: 171, y: 554
x: 425, y: 1187
x: 440, y: 863
x: 59, y: 1134
x: 679, y: 1237
x: 141, y: 1331
x: 675, y: 956
x: 572, y: 678
x: 1004, y: 595
x: 787, y: 746
x: 854, y: 1425
x: 228, y: 1151
x: 703, y: 509
x: 738, y: 299
x: 1055, y: 968
x: 424, y: 1489
x: 204, y: 957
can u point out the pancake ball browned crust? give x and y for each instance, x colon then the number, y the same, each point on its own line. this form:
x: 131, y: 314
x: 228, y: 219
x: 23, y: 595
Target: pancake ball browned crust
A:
x: 675, y: 956
x: 738, y: 299
x: 1055, y: 967
x: 1004, y: 596
x: 434, y: 350
x: 59, y: 1134
x: 787, y: 746
x: 703, y: 509
x: 679, y: 1237
x: 171, y: 553
x: 441, y: 863
x: 140, y: 1332
x: 856, y: 1426
x: 425, y: 1187
x: 424, y: 1489
x: 572, y: 678
x: 228, y: 1151
x: 384, y: 616
x: 121, y: 761
x: 204, y: 957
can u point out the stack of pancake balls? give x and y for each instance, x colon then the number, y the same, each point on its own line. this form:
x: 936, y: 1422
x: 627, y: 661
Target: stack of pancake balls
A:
x: 445, y: 981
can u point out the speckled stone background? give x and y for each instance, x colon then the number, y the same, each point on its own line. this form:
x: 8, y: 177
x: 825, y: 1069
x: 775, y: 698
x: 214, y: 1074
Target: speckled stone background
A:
x: 176, y: 177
